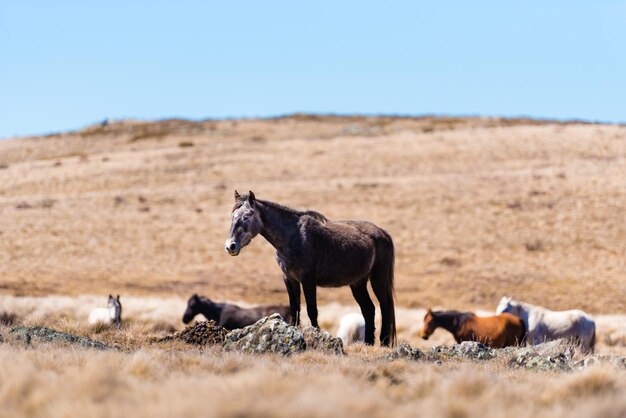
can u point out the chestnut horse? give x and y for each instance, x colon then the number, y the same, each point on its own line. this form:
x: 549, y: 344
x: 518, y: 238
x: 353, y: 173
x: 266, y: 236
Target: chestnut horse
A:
x: 312, y: 251
x: 494, y: 331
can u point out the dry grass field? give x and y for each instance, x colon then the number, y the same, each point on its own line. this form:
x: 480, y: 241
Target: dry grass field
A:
x: 478, y: 208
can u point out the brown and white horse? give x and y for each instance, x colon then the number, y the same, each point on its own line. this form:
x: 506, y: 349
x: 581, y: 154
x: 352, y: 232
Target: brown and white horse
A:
x: 494, y: 331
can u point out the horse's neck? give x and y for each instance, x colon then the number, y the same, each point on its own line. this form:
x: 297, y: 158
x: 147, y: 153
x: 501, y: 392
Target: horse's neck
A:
x: 449, y: 321
x: 279, y: 224
x: 526, y: 310
x: 211, y: 309
x: 115, y: 312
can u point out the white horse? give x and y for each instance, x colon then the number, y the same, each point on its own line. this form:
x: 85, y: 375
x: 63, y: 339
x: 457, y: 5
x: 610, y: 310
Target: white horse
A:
x: 351, y: 328
x: 112, y: 314
x: 543, y: 324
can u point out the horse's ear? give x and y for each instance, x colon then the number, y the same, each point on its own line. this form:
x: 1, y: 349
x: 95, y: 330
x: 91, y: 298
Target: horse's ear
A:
x: 251, y: 198
x: 429, y: 311
x: 110, y: 296
x: 195, y: 296
x: 118, y: 297
x: 237, y: 195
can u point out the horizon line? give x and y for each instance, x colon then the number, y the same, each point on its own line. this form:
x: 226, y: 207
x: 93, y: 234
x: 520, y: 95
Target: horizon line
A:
x: 398, y: 115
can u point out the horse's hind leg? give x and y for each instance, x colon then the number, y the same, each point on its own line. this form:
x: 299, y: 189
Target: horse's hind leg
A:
x: 382, y: 285
x: 362, y: 297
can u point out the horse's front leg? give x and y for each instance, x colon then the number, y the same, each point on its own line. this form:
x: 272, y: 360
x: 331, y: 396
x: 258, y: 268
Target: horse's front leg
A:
x: 293, y: 290
x: 310, y: 296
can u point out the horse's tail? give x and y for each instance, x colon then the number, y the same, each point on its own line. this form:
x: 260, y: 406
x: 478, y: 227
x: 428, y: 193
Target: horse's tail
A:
x: 522, y: 339
x: 382, y: 284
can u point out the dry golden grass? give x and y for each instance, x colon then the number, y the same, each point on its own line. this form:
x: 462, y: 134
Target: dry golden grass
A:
x: 169, y: 380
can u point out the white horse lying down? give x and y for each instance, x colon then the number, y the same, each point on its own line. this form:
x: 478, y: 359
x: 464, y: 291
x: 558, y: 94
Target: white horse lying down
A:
x: 351, y: 328
x: 112, y: 314
x: 543, y: 324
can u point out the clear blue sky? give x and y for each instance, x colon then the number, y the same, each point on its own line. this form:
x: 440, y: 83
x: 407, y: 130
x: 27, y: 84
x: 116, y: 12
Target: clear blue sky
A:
x: 66, y: 64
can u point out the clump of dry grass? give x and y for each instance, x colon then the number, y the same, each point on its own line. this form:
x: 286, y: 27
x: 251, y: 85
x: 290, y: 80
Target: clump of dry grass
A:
x: 8, y: 318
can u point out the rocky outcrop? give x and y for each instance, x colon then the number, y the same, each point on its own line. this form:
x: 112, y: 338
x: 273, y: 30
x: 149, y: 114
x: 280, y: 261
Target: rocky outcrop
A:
x: 27, y: 333
x: 550, y: 356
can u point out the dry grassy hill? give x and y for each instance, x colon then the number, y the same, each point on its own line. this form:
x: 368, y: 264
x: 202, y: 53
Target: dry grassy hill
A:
x: 477, y: 207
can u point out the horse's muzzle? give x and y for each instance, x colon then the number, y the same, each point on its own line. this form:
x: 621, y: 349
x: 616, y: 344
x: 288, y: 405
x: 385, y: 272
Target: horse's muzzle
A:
x: 232, y: 248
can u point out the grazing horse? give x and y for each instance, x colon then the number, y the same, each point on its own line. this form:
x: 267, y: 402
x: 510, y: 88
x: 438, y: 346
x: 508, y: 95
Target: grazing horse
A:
x: 231, y: 316
x: 312, y: 251
x: 494, y: 331
x: 112, y: 314
x: 351, y: 328
x: 544, y: 324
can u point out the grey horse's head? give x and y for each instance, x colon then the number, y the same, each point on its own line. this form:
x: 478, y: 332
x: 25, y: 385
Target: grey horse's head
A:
x: 115, y: 306
x: 508, y: 305
x: 245, y: 224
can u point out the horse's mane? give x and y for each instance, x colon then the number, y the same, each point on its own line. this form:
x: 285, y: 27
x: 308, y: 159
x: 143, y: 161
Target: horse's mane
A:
x: 314, y: 214
x: 450, y: 313
x: 527, y: 306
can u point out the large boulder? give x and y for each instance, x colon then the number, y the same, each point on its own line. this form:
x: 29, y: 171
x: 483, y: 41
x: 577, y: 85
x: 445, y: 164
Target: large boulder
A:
x: 316, y: 339
x: 268, y: 335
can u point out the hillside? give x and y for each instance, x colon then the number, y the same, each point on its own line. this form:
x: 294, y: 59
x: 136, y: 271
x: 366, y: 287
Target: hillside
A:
x: 477, y: 207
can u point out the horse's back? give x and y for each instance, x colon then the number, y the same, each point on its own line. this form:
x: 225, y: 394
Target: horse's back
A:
x: 571, y: 324
x: 497, y: 331
x: 99, y: 315
x: 337, y: 253
x: 234, y: 317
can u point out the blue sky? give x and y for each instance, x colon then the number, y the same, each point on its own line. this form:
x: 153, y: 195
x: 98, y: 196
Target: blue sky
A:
x: 64, y: 64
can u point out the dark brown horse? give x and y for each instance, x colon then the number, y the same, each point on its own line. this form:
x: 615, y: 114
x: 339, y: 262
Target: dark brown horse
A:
x: 314, y: 251
x: 231, y: 316
x: 494, y: 331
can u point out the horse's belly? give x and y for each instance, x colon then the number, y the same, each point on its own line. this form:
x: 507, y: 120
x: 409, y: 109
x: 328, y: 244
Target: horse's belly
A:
x: 338, y: 280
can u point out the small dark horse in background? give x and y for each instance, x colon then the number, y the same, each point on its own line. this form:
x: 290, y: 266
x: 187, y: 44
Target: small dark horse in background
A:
x: 228, y: 315
x: 314, y: 251
x: 497, y: 331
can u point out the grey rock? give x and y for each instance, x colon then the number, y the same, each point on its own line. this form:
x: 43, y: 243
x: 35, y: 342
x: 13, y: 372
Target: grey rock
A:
x: 467, y: 350
x: 26, y: 334
x: 473, y: 350
x: 405, y: 351
x: 551, y: 355
x: 316, y: 339
x: 533, y: 361
x: 268, y: 335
